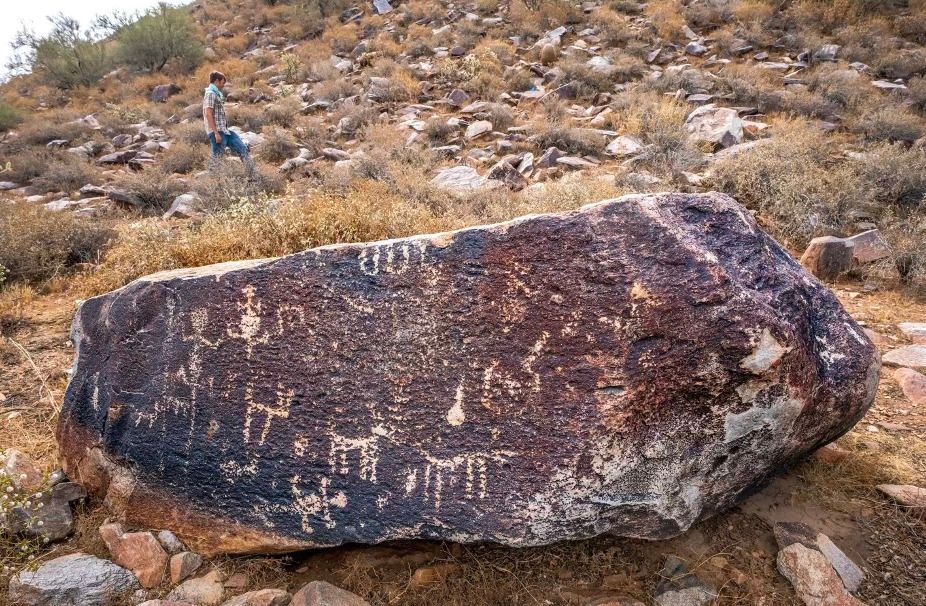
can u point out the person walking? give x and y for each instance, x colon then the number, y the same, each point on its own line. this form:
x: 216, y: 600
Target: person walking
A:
x: 217, y: 126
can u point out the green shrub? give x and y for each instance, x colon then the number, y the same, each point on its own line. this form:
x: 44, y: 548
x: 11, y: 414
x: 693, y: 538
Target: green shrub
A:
x: 67, y: 57
x: 9, y: 117
x: 159, y: 36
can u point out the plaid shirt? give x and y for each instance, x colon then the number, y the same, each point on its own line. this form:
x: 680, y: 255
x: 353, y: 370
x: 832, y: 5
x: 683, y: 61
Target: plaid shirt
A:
x: 212, y: 100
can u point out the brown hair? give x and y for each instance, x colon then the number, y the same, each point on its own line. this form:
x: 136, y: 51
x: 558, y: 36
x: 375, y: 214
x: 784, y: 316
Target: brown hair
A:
x: 216, y: 76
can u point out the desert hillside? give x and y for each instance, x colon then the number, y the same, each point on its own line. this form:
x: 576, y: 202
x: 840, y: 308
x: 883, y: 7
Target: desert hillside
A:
x: 380, y: 120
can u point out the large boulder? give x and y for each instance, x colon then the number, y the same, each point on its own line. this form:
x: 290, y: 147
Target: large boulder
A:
x: 634, y: 366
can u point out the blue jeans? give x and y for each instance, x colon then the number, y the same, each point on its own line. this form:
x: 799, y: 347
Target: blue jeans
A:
x: 231, y: 141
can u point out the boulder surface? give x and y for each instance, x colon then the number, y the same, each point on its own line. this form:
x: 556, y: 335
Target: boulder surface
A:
x: 634, y: 366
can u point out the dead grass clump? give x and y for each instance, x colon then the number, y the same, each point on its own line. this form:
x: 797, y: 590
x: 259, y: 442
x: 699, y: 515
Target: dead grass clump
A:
x: 154, y: 187
x: 752, y: 11
x: 567, y: 138
x: 843, y: 87
x: 586, y: 80
x: 351, y: 117
x: 14, y: 300
x: 904, y: 63
x: 249, y: 117
x: 36, y: 244
x: 278, y: 146
x: 916, y: 93
x: 613, y: 28
x: 283, y: 111
x: 52, y: 126
x: 25, y: 165
x: 890, y: 123
x: 184, y: 157
x: 230, y: 184
x: 666, y: 17
x: 438, y: 131
x: 658, y: 121
x: 65, y: 173
x: 191, y: 133
x: 333, y: 89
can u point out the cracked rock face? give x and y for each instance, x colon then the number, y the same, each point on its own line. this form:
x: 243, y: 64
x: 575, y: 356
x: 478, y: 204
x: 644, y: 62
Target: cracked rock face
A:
x: 634, y: 366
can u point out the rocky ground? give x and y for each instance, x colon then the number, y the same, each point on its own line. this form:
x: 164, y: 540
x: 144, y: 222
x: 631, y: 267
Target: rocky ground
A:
x: 435, y: 115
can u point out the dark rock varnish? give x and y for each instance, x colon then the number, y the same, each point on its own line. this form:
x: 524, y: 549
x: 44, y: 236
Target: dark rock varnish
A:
x: 634, y: 366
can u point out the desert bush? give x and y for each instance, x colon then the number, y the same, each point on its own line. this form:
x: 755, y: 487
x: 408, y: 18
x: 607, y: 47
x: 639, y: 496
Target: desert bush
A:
x: 36, y: 244
x: 154, y: 187
x: 709, y: 13
x: 9, y: 117
x: 249, y: 117
x: 65, y: 172
x: 666, y: 17
x: 283, y: 111
x: 67, y: 57
x: 14, y: 300
x: 41, y: 132
x: 658, y: 121
x: 585, y: 80
x: 438, y: 131
x: 157, y: 37
x: 333, y: 89
x: 278, y: 146
x: 184, y: 157
x: 904, y: 63
x: 292, y: 66
x: 752, y: 11
x: 351, y: 117
x: 890, y: 123
x: 613, y: 28
x: 567, y: 138
x: 193, y: 133
x: 24, y: 165
x: 799, y: 190
x: 916, y: 93
x: 840, y: 86
x: 231, y: 184
x: 894, y: 176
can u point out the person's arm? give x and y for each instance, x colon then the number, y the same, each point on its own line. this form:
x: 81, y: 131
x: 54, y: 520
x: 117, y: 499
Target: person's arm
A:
x: 210, y: 120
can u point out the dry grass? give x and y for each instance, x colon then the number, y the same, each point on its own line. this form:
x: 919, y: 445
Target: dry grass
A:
x: 154, y: 187
x: 666, y: 17
x: 36, y: 245
x: 184, y: 157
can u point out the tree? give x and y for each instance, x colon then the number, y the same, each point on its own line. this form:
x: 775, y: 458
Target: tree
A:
x: 152, y: 40
x: 67, y: 57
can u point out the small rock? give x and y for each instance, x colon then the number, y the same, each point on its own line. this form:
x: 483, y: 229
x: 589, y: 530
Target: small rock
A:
x: 549, y: 157
x: 170, y: 542
x: 574, y: 162
x: 140, y: 552
x: 320, y: 593
x: 885, y: 85
x: 162, y: 92
x: 206, y: 590
x: 335, y: 154
x: 910, y: 356
x: 695, y: 48
x: 264, y: 597
x: 184, y: 206
x: 827, y: 52
x: 828, y: 257
x: 813, y: 578
x: 24, y: 474
x: 870, y: 246
x: 915, y: 331
x: 457, y: 97
x: 716, y: 125
x: 459, y: 179
x: 120, y: 157
x: 507, y: 174
x: 432, y: 575
x: 237, y: 582
x: 8, y: 185
x: 905, y: 494
x: 831, y: 454
x: 184, y: 564
x: 73, y: 580
x: 913, y: 385
x: 49, y: 515
x: 477, y: 129
x: 678, y: 587
x: 624, y: 146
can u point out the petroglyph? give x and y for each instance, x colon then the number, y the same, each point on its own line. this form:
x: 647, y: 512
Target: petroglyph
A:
x: 279, y: 410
